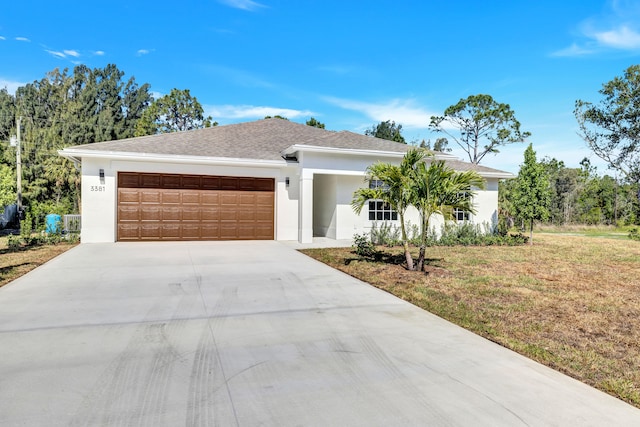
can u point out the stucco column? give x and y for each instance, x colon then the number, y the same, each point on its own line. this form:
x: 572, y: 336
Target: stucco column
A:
x: 305, y: 208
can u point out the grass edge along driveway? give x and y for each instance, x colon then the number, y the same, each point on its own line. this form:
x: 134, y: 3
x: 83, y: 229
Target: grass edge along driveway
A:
x: 568, y: 302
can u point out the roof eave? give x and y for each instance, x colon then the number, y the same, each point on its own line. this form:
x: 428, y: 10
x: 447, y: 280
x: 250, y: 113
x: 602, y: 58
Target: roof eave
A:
x: 497, y: 174
x: 332, y: 150
x: 168, y: 158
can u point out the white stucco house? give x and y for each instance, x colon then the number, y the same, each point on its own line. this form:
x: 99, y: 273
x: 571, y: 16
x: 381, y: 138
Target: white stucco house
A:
x: 267, y: 179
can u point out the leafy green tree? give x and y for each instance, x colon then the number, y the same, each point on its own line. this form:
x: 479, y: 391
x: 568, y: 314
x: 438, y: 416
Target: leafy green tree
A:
x: 7, y: 115
x: 68, y: 108
x: 396, y: 191
x: 438, y: 189
x: 441, y: 144
x: 387, y: 130
x: 532, y: 194
x: 175, y: 112
x: 316, y: 124
x: 7, y: 185
x: 483, y: 126
x: 276, y: 117
x: 611, y: 128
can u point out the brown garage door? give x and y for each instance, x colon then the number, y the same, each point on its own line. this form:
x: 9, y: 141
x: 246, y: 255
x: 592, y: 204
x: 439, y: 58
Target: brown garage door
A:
x: 193, y: 207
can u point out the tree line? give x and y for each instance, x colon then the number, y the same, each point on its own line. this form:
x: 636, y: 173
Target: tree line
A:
x: 87, y: 105
x: 81, y: 106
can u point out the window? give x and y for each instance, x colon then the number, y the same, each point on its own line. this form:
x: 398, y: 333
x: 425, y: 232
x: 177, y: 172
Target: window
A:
x: 381, y: 211
x: 460, y: 215
x: 376, y: 183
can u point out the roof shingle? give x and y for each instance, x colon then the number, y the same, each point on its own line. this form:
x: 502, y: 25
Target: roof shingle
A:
x: 257, y: 140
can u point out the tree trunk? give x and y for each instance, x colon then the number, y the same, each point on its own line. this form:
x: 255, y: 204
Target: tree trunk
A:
x: 405, y: 244
x: 423, y: 244
x: 531, y: 233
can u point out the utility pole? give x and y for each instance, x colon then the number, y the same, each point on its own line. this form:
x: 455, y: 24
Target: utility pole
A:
x: 19, y: 165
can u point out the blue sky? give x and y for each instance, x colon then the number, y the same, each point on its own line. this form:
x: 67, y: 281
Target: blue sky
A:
x: 349, y: 64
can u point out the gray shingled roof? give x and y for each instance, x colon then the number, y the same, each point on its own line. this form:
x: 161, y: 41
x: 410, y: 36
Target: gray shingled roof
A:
x: 258, y: 140
x: 261, y: 140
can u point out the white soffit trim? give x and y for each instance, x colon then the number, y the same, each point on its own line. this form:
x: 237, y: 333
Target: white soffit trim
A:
x: 331, y: 150
x: 169, y: 158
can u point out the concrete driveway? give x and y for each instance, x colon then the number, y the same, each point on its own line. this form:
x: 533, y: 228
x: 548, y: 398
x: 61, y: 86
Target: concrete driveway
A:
x: 254, y: 333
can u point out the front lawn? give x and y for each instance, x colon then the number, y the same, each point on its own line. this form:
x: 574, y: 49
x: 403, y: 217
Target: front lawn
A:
x: 569, y: 302
x: 15, y: 263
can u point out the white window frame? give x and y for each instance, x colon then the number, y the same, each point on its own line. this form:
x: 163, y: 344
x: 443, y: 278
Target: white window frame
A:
x: 378, y: 209
x: 460, y: 215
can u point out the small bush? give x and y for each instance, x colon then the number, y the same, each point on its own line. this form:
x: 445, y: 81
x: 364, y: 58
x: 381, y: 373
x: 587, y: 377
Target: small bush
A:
x: 14, y: 243
x: 385, y: 234
x: 634, y: 234
x: 363, y: 246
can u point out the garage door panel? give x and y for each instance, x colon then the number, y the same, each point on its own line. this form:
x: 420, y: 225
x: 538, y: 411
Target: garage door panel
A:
x: 191, y: 213
x: 150, y: 180
x: 191, y: 197
x: 210, y: 231
x: 128, y: 213
x: 128, y: 180
x: 210, y: 198
x: 191, y: 181
x: 192, y: 207
x: 150, y: 231
x: 211, y: 183
x: 151, y: 213
x: 172, y: 197
x: 150, y: 196
x: 129, y: 196
x: 208, y: 214
x: 228, y: 183
x: 171, y: 213
x: 171, y: 231
x: 171, y: 181
x: 228, y: 198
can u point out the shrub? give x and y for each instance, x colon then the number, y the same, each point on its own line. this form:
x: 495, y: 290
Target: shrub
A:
x: 385, y: 234
x: 634, y: 234
x: 363, y: 246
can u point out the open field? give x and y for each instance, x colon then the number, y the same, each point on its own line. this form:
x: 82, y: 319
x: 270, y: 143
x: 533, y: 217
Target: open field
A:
x: 15, y: 264
x: 569, y: 302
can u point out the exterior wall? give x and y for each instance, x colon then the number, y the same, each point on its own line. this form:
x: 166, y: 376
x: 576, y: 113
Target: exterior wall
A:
x: 99, y: 199
x: 486, y: 204
x: 98, y: 202
x: 317, y: 199
x: 324, y: 205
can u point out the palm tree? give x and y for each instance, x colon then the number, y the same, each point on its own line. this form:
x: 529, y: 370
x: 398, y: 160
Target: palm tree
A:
x: 438, y: 189
x: 396, y: 190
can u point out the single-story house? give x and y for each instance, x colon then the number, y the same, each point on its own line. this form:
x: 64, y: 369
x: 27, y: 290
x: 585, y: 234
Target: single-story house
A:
x: 267, y: 179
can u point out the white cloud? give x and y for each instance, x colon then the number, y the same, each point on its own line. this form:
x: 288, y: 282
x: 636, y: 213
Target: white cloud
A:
x: 10, y: 85
x: 573, y: 50
x: 22, y: 39
x: 73, y: 53
x: 404, y: 112
x: 141, y: 52
x: 56, y: 53
x: 622, y: 37
x: 99, y: 53
x: 2, y: 38
x: 236, y: 112
x: 242, y: 4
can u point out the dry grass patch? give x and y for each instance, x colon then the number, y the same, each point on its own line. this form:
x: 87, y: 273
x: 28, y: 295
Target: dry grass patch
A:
x: 15, y: 264
x: 572, y: 303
